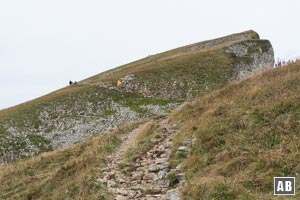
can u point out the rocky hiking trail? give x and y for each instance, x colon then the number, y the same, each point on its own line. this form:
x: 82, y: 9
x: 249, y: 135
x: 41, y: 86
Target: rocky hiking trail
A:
x: 146, y: 179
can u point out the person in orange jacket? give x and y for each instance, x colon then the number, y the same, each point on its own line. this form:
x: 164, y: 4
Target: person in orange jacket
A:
x: 119, y: 84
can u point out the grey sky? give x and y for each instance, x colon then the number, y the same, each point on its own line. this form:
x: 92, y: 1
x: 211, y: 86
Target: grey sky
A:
x: 46, y: 43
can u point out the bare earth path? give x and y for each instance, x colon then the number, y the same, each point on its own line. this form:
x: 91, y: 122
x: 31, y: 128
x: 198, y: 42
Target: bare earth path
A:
x: 146, y: 180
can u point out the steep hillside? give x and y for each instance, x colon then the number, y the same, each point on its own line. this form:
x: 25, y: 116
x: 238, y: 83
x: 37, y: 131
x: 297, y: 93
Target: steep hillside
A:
x: 243, y: 136
x: 228, y: 145
x: 151, y: 86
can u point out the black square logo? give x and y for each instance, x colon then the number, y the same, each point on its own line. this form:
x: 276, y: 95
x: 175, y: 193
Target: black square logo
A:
x: 284, y: 185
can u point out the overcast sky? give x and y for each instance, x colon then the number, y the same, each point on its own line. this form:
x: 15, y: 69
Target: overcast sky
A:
x: 46, y: 43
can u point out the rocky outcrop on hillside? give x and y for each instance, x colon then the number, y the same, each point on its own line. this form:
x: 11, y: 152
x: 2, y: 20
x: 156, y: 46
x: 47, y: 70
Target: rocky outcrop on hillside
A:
x: 250, y: 57
x: 247, y: 57
x: 61, y: 124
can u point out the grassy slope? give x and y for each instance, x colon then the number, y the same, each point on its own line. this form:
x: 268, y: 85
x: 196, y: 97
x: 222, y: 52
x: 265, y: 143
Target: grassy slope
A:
x: 246, y: 133
x: 199, y: 71
x: 145, y: 68
x: 65, y: 173
x: 149, y: 62
x: 73, y: 102
x: 69, y: 173
x: 71, y: 97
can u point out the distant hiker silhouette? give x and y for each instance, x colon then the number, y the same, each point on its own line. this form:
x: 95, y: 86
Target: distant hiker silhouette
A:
x: 72, y: 83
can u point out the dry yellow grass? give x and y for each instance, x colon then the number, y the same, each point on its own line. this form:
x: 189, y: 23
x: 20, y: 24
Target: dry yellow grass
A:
x: 247, y: 133
x: 68, y: 173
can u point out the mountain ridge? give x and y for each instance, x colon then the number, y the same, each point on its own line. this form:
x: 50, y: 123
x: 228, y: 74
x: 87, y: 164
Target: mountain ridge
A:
x: 151, y: 86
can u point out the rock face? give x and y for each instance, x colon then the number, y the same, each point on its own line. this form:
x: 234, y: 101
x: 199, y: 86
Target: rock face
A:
x: 251, y: 56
